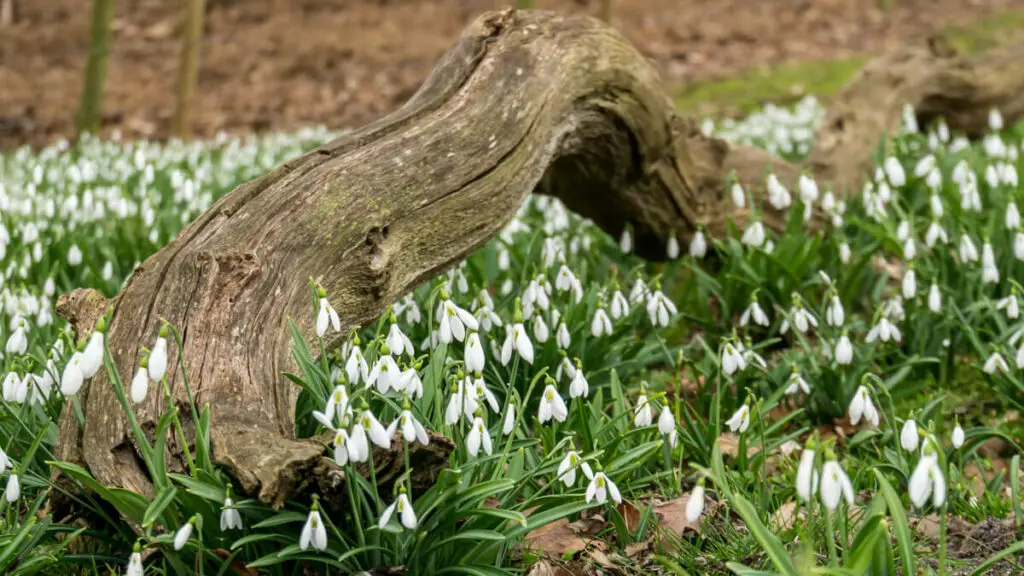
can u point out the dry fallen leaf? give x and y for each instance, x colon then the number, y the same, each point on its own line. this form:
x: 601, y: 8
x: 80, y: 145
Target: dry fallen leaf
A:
x: 561, y: 537
x: 630, y: 515
x: 785, y: 517
x: 672, y: 516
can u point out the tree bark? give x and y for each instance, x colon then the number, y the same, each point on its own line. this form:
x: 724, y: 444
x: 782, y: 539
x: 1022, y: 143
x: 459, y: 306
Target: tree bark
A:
x: 523, y: 102
x: 188, y: 69
x: 95, y: 67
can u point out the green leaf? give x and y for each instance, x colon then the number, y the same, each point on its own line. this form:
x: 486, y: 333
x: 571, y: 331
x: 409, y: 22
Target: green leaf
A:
x: 158, y: 505
x: 899, y: 520
x: 201, y: 489
x: 1010, y: 551
x: 286, y: 517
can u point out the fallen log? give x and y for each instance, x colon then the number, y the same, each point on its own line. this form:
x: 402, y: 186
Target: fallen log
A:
x: 523, y: 102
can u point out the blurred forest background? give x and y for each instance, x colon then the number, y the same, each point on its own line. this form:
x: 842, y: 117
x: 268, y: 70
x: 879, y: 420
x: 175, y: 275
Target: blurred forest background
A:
x: 280, y: 64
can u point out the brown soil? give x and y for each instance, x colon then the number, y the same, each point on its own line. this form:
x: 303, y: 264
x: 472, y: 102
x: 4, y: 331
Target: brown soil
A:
x: 281, y: 64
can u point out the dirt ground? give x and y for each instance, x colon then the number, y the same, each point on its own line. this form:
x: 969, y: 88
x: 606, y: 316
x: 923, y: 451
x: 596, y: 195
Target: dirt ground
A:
x: 281, y: 64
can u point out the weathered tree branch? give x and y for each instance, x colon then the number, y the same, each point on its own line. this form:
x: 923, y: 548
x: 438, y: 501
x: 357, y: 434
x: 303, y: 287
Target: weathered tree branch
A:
x: 523, y: 102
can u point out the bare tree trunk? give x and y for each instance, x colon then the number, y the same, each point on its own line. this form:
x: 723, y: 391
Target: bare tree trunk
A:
x: 7, y: 13
x: 523, y: 102
x: 188, y: 69
x: 606, y: 10
x: 95, y: 67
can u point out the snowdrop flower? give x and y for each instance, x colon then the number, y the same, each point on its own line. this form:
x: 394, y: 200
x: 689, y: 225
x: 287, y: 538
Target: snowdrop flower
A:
x: 540, y: 329
x: 1010, y: 304
x: 140, y: 384
x: 958, y: 436
x: 135, y: 563
x: 72, y: 379
x: 739, y: 197
x: 909, y: 284
x: 732, y: 360
x: 626, y: 240
x: 995, y: 120
x: 399, y: 343
x: 660, y: 308
x: 802, y: 319
x: 883, y: 330
x: 478, y: 435
x: 17, y: 343
x: 356, y: 365
x: 750, y: 356
x: 1018, y: 245
x: 924, y: 166
x: 376, y: 431
x: 835, y: 484
x: 551, y: 406
x: 412, y: 430
x: 405, y: 512
x: 934, y: 298
x: 14, y: 388
x: 935, y: 203
x: 806, y: 475
x: 92, y: 356
x: 510, y: 419
x: 516, y: 338
x: 74, y: 255
x: 474, y: 354
x: 1012, y: 216
x: 600, y: 325
x: 566, y: 367
x: 927, y: 480
x: 565, y: 279
x: 894, y: 172
x: 488, y: 319
x: 643, y: 414
x: 968, y: 251
x: 5, y: 461
x: 844, y: 252
x: 909, y: 249
x: 844, y: 350
x: 754, y: 235
x: 183, y: 534
x: 989, y: 271
x: 908, y: 435
x: 386, y: 374
x: 698, y: 245
x: 666, y: 421
x: 834, y: 313
x: 778, y: 196
x: 158, y: 357
x: 619, y: 307
x: 230, y: 519
x: 740, y: 420
x: 638, y: 292
x: 754, y: 312
x: 562, y: 337
x: 808, y: 189
x: 600, y: 487
x: 313, y: 532
x: 326, y: 315
x: 695, y: 502
x: 579, y: 387
x: 995, y: 363
x: 672, y: 248
x: 862, y: 407
x: 481, y: 390
x: 567, y: 468
x: 453, y: 321
x: 797, y: 383
x: 934, y: 234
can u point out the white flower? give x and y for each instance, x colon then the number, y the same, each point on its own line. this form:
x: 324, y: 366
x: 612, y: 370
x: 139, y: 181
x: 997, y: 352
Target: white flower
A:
x: 894, y: 172
x: 158, y: 360
x: 834, y: 313
x: 15, y: 389
x: 797, y: 383
x: 578, y: 386
x: 989, y: 271
x: 935, y: 233
x: 474, y: 354
x: 934, y: 298
x: 5, y: 461
x: 927, y: 480
x: 806, y: 475
x: 600, y: 325
x: 968, y: 251
x: 909, y: 284
x: 478, y: 435
x: 1011, y: 306
x: 386, y: 374
x: 672, y: 247
x: 695, y: 503
x: 740, y: 420
x: 995, y: 120
x: 778, y: 196
x: 835, y: 484
x: 861, y: 406
x: 958, y: 436
x: 844, y: 350
x: 562, y: 337
x: 412, y: 430
x: 230, y: 519
x: 74, y: 255
x: 376, y: 431
x: 808, y: 189
x: 908, y: 435
x: 754, y: 234
x: 732, y: 360
x: 356, y: 366
x: 453, y: 322
x: 600, y: 487
x: 1018, y: 246
x: 325, y: 315
x: 72, y: 378
x: 18, y: 341
x: 626, y: 241
x: 398, y: 343
x: 619, y: 308
x: 13, y: 491
x: 182, y: 535
x: 935, y: 204
x: 739, y: 198
x: 140, y: 385
x: 92, y: 356
x: 802, y: 320
x: 567, y: 468
x: 698, y: 245
x: 565, y: 279
x: 405, y: 513
x: 924, y: 166
x: 995, y: 362
x: 135, y: 565
x: 660, y: 309
x: 638, y: 292
x: 313, y: 532
x: 754, y: 312
x: 510, y: 420
x: 516, y: 338
x: 643, y: 414
x: 666, y: 421
x: 844, y: 253
x: 551, y: 406
x: 1012, y: 216
x: 884, y: 331
x: 540, y: 329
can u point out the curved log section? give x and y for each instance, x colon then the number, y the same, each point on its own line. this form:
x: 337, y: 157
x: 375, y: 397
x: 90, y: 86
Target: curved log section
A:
x: 523, y: 102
